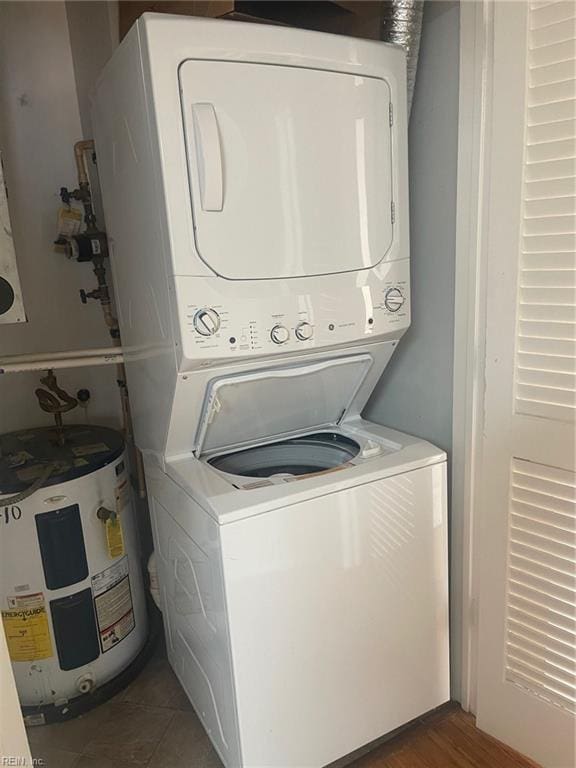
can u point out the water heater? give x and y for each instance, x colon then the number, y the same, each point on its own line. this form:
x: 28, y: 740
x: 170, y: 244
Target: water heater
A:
x: 71, y: 590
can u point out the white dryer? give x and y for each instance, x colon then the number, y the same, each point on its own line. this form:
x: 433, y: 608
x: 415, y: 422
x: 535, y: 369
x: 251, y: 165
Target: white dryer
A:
x: 255, y: 192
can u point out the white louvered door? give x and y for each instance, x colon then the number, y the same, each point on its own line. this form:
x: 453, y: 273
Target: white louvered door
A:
x: 526, y: 690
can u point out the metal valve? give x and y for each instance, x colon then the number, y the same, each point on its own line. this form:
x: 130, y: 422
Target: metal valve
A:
x: 104, y: 514
x: 85, y: 295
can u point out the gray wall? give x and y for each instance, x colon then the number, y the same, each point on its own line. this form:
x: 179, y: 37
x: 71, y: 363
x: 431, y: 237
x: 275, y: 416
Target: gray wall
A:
x: 93, y: 30
x: 415, y: 392
x: 40, y: 120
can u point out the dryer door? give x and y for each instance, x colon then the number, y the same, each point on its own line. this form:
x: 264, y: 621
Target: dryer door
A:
x: 266, y: 405
x: 290, y: 169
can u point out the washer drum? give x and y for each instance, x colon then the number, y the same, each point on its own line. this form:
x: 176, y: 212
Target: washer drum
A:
x: 71, y: 590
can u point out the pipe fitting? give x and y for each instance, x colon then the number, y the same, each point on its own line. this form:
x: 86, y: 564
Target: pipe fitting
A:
x: 86, y: 683
x: 80, y: 148
x: 104, y: 514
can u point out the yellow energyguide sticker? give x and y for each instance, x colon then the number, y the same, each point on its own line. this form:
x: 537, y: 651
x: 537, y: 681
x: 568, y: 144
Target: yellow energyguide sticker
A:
x: 114, y: 537
x: 27, y: 634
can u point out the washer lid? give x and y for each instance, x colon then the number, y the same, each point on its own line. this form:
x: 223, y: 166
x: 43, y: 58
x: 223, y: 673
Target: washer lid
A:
x: 269, y: 404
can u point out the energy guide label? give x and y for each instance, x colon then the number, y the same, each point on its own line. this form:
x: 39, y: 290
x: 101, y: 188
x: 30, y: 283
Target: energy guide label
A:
x: 113, y: 604
x: 27, y: 629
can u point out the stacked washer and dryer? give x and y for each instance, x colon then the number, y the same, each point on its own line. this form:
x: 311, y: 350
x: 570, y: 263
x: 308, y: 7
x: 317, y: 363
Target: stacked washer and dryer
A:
x: 255, y: 186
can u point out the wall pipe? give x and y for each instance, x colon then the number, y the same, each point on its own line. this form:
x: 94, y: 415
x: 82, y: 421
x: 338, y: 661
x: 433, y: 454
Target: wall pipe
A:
x: 103, y: 295
x: 83, y: 193
x: 83, y: 358
x: 80, y: 148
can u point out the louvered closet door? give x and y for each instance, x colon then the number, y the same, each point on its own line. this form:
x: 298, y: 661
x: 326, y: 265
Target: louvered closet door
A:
x: 527, y: 609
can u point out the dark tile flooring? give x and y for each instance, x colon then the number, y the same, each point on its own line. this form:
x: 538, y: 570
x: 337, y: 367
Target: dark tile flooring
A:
x: 149, y: 724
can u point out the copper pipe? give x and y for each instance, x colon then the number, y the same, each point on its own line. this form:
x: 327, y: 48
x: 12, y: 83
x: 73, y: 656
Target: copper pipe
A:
x: 104, y: 297
x: 49, y: 402
x: 129, y: 430
x: 80, y: 148
x: 51, y: 383
x: 126, y: 416
x: 83, y: 193
x: 109, y: 318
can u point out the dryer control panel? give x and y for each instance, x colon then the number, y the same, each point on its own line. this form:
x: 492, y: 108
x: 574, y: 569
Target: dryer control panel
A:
x: 263, y: 318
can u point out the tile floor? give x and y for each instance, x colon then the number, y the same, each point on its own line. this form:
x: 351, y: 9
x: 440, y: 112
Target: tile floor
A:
x: 150, y: 725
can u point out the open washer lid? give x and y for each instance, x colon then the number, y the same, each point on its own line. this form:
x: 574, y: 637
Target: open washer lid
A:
x: 268, y: 404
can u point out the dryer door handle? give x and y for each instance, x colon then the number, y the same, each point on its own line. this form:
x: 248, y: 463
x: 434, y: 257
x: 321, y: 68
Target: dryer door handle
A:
x: 208, y: 157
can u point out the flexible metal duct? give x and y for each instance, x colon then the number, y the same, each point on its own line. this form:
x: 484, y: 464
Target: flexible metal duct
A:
x: 402, y: 24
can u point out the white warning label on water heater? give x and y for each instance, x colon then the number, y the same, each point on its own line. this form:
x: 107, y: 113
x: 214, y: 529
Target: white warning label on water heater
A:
x: 113, y: 604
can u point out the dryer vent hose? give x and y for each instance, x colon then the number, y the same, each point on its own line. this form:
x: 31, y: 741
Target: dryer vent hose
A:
x: 402, y: 24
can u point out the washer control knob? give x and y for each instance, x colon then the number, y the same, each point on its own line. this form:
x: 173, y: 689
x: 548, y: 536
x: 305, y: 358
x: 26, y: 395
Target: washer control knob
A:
x: 279, y: 334
x: 206, y: 322
x: 394, y: 299
x: 304, y: 331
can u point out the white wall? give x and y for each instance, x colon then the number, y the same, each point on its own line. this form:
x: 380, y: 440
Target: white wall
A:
x: 415, y: 392
x: 19, y: 406
x: 40, y: 120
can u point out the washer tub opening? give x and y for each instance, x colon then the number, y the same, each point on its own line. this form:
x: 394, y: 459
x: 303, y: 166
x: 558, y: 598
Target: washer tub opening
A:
x: 304, y: 455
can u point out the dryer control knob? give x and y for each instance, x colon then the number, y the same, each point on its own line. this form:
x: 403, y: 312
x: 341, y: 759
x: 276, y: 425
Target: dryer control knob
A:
x: 279, y: 334
x: 206, y: 322
x: 304, y: 331
x: 394, y: 299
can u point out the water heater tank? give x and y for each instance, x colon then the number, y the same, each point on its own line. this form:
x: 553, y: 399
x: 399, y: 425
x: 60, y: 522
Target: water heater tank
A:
x: 71, y: 590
